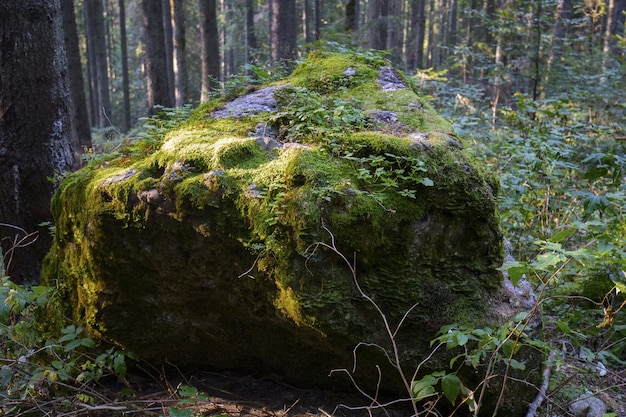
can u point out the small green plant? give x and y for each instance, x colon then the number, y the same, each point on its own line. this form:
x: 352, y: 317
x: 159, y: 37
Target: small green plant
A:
x: 189, y: 397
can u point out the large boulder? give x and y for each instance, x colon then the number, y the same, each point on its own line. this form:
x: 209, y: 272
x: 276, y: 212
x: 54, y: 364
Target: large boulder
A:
x: 221, y: 245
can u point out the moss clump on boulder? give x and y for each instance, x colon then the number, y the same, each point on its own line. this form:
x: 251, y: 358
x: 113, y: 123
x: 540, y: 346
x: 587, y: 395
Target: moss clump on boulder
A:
x: 200, y: 251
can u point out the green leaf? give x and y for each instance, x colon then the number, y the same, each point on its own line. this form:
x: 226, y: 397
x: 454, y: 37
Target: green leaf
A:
x: 546, y: 261
x: 424, y: 387
x: 177, y: 412
x: 515, y: 269
x: 187, y: 391
x: 427, y: 182
x: 451, y: 386
x: 461, y: 338
x: 72, y: 345
x: 594, y: 173
x: 562, y: 235
x: 516, y: 364
x: 119, y: 366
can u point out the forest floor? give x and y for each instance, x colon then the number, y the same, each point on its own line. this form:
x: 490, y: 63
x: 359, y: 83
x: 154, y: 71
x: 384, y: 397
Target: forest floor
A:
x: 233, y: 395
x: 229, y: 394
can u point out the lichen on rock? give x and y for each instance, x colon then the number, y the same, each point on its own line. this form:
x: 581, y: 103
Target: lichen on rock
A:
x: 200, y: 252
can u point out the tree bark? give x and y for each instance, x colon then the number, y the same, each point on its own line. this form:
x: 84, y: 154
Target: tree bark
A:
x: 351, y: 18
x: 101, y: 64
x: 81, y: 135
x: 169, y: 48
x: 210, y: 55
x: 251, y: 43
x: 377, y: 16
x: 125, y: 78
x: 90, y: 39
x: 318, y: 19
x: 283, y: 30
x: 155, y: 57
x: 420, y: 33
x: 180, y: 59
x: 35, y: 128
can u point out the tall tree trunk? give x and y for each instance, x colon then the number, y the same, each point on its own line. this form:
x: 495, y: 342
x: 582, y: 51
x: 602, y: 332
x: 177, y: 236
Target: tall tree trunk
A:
x: 395, y: 30
x: 283, y: 30
x: 378, y: 11
x: 125, y: 77
x: 351, y: 18
x: 35, y: 129
x: 250, y: 35
x: 318, y: 19
x: 180, y: 45
x: 210, y: 55
x: 90, y: 39
x: 308, y: 19
x: 417, y: 33
x: 169, y: 47
x: 432, y: 44
x: 228, y: 39
x: 101, y: 66
x: 155, y: 57
x: 81, y: 135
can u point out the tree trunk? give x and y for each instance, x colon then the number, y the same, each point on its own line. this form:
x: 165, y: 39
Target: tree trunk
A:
x: 180, y: 44
x: 35, y: 129
x: 351, y: 17
x: 81, y: 135
x: 283, y: 30
x: 421, y: 33
x: 210, y: 55
x: 125, y: 79
x: 377, y: 15
x: 229, y: 39
x: 155, y: 57
x: 250, y: 34
x: 90, y: 39
x: 101, y: 64
x: 318, y: 19
x: 169, y: 47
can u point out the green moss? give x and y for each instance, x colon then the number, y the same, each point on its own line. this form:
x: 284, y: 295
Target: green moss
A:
x: 325, y: 72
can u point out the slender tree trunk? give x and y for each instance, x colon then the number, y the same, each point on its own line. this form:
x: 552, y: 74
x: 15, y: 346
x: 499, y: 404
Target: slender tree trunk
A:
x: 432, y: 44
x: 81, y: 137
x: 155, y: 57
x: 35, y: 130
x: 283, y: 30
x: 125, y: 78
x: 102, y: 67
x: 228, y: 39
x: 90, y: 38
x: 420, y: 32
x: 351, y: 17
x: 318, y: 19
x: 180, y: 59
x: 308, y: 19
x: 169, y: 47
x: 210, y: 55
x: 377, y: 16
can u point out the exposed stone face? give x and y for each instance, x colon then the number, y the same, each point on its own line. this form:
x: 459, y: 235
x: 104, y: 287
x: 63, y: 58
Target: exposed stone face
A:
x: 204, y: 252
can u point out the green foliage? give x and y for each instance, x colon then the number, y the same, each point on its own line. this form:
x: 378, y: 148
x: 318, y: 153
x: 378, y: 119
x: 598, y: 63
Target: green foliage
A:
x: 143, y: 140
x: 45, y: 359
x: 306, y: 115
x: 189, y: 397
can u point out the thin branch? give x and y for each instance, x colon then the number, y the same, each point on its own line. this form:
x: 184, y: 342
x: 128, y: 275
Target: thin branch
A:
x: 547, y: 371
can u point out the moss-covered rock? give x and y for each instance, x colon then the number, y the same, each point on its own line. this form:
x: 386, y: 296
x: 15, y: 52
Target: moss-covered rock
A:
x: 203, y: 251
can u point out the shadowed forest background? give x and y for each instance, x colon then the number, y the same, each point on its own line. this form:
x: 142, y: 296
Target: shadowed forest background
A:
x: 534, y: 88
